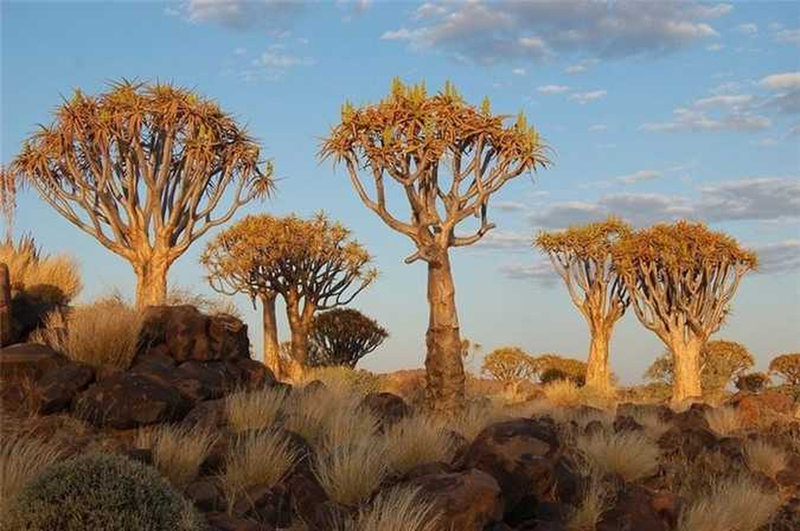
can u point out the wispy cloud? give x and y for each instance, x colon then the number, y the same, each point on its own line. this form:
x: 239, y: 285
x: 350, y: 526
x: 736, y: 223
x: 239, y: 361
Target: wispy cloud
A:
x: 781, y: 257
x: 639, y: 176
x: 552, y: 89
x: 271, y: 16
x: 585, y: 97
x: 539, y: 271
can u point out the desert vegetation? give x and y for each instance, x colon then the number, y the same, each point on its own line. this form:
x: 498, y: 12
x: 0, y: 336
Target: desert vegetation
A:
x: 154, y: 414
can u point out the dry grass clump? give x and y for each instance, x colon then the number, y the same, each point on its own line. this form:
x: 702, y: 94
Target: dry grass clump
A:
x: 597, y: 499
x: 733, y: 503
x: 417, y: 440
x: 399, y: 509
x: 563, y: 393
x: 209, y: 305
x: 307, y: 412
x: 474, y: 418
x: 247, y: 410
x: 22, y: 458
x: 654, y: 426
x: 177, y: 452
x: 765, y: 458
x: 350, y: 474
x: 344, y: 381
x: 629, y: 454
x: 256, y: 458
x: 724, y: 420
x: 52, y: 278
x: 105, y: 332
x: 347, y: 426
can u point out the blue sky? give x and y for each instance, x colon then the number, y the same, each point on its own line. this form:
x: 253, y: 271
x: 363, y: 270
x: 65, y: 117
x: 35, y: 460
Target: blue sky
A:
x: 654, y: 110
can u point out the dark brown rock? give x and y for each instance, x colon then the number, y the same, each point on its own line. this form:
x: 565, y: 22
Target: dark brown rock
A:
x: 58, y: 386
x: 27, y: 360
x: 690, y: 442
x: 206, y: 495
x: 265, y: 504
x: 520, y: 454
x: 632, y: 410
x: 254, y: 374
x: 467, y: 501
x: 633, y: 510
x: 387, y: 407
x: 129, y: 400
x: 693, y: 418
x: 226, y: 522
x: 210, y: 414
x: 756, y: 409
x: 626, y: 423
x: 308, y: 499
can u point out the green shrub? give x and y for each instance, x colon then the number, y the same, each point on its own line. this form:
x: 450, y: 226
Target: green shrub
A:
x: 98, y: 491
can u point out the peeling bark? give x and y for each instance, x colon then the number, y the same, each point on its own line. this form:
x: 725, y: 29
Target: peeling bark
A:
x: 687, y: 382
x: 598, y: 375
x: 151, y: 282
x: 272, y: 357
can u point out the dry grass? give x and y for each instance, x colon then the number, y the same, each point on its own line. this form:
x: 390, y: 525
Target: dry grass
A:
x: 105, y: 332
x: 765, y: 458
x: 563, y: 393
x: 256, y: 458
x: 351, y: 474
x: 654, y: 426
x: 22, y: 458
x: 734, y: 503
x: 347, y: 426
x: 597, y: 500
x: 344, y: 381
x: 209, y: 305
x: 399, y: 509
x: 629, y: 454
x: 307, y: 412
x: 52, y: 278
x: 177, y: 452
x: 417, y: 440
x: 475, y: 417
x: 724, y: 420
x: 247, y: 410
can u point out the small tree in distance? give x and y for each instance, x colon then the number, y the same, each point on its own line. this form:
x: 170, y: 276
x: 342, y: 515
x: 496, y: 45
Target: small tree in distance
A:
x: 143, y: 169
x: 447, y: 159
x: 342, y: 336
x: 681, y: 278
x: 509, y: 366
x: 553, y: 367
x: 787, y: 366
x: 312, y: 263
x: 582, y: 256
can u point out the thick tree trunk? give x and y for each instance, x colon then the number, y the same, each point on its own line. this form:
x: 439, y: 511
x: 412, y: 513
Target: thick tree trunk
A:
x: 686, y: 357
x: 272, y: 357
x: 299, y: 324
x: 443, y: 364
x: 598, y: 375
x: 151, y: 282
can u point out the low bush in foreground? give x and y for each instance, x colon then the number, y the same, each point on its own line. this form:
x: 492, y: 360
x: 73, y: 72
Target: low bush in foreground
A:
x: 96, y: 491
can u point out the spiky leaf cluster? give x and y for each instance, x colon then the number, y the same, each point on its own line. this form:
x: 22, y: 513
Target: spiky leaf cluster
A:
x: 509, y: 365
x: 342, y: 336
x: 788, y: 367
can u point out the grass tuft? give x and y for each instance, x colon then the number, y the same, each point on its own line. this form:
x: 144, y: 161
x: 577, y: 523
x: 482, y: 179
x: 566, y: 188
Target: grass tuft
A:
x: 177, y: 452
x: 597, y: 499
x: 21, y: 459
x: 765, y: 458
x: 563, y: 393
x: 417, y: 440
x: 398, y: 509
x: 248, y: 410
x: 350, y: 474
x: 54, y: 279
x: 629, y: 454
x: 724, y: 420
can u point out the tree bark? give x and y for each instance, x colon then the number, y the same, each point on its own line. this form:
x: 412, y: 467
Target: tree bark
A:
x: 5, y: 306
x: 686, y: 357
x: 598, y: 375
x: 299, y: 325
x: 272, y: 357
x: 443, y: 363
x: 151, y: 281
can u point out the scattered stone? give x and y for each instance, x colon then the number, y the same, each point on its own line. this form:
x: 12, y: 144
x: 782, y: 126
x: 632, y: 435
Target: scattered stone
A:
x: 57, y: 388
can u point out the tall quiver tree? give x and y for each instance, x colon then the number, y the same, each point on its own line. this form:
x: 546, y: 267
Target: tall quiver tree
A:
x: 448, y: 158
x: 314, y: 264
x: 146, y: 169
x: 681, y: 278
x: 582, y: 256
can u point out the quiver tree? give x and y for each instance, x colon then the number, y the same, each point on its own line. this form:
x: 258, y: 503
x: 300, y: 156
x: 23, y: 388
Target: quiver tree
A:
x: 313, y: 264
x: 582, y: 256
x: 509, y: 366
x: 146, y: 169
x: 753, y: 382
x: 342, y: 336
x: 681, y: 278
x: 787, y: 366
x: 551, y: 367
x: 720, y: 362
x: 447, y: 158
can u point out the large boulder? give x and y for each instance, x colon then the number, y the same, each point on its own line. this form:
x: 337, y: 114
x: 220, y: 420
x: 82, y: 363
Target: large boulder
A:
x: 21, y: 365
x: 130, y: 400
x: 634, y: 508
x: 184, y: 333
x: 759, y: 409
x: 467, y: 501
x: 387, y: 407
x: 521, y: 455
x: 57, y: 387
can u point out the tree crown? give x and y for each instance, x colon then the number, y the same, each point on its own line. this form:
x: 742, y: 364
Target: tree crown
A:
x: 591, y: 242
x: 509, y: 364
x: 720, y: 361
x: 787, y: 366
x: 343, y: 336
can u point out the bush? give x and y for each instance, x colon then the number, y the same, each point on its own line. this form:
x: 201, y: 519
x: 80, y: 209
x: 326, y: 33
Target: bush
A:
x: 765, y: 458
x: 787, y: 366
x: 105, y: 332
x: 352, y: 473
x: 563, y: 392
x: 724, y: 420
x: 21, y: 458
x: 97, y: 491
x: 341, y: 337
x: 552, y: 367
x: 754, y: 382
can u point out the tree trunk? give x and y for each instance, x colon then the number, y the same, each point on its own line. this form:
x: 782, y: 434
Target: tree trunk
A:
x: 443, y: 363
x: 151, y: 282
x: 686, y: 358
x: 299, y: 327
x: 5, y: 306
x: 598, y: 375
x: 272, y: 357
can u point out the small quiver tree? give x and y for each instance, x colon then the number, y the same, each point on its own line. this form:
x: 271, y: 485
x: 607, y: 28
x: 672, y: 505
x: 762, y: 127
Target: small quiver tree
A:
x: 145, y: 169
x: 551, y: 367
x: 681, y: 278
x: 753, y: 382
x: 787, y: 366
x: 314, y: 264
x: 342, y: 336
x: 509, y: 366
x: 582, y: 256
x: 447, y: 159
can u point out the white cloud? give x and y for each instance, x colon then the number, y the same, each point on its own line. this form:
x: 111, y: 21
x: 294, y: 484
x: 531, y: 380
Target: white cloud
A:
x: 581, y: 66
x: 507, y: 241
x: 273, y: 16
x: 784, y: 81
x: 781, y: 257
x: 552, y: 89
x: 585, y: 97
x: 726, y: 100
x: 747, y: 29
x: 597, y: 128
x: 540, y: 271
x: 277, y: 60
x: 715, y: 47
x: 508, y: 206
x: 684, y: 119
x: 639, y: 176
x: 490, y: 32
x: 518, y: 72
x: 789, y: 36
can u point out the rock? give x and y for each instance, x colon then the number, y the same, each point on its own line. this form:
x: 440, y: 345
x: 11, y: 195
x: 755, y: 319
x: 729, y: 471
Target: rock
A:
x: 520, y: 454
x: 206, y: 495
x: 594, y: 427
x: 184, y: 333
x: 142, y: 455
x: 226, y: 522
x: 387, y: 407
x: 569, y: 485
x: 129, y: 400
x: 308, y: 499
x: 690, y: 442
x: 106, y: 371
x: 626, y: 423
x: 789, y: 477
x: 467, y: 501
x: 210, y: 414
x: 632, y: 510
x: 428, y: 469
x: 254, y: 374
x: 755, y: 409
x: 633, y: 410
x: 58, y: 386
x: 265, y: 504
x: 693, y: 418
x: 27, y: 360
